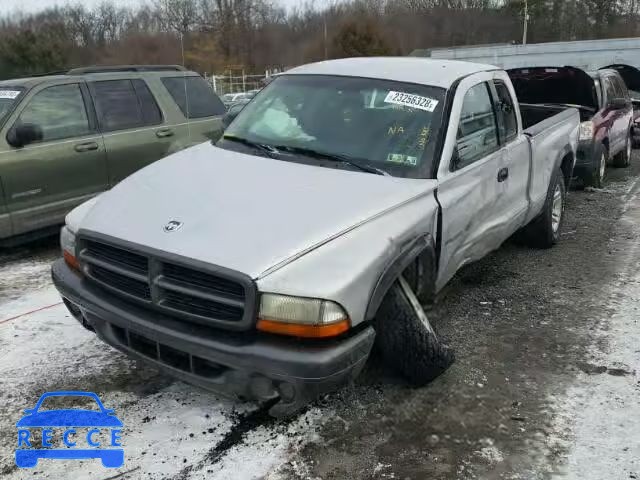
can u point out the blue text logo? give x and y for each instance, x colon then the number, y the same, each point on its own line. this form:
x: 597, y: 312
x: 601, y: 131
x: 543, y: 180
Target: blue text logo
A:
x: 104, y: 430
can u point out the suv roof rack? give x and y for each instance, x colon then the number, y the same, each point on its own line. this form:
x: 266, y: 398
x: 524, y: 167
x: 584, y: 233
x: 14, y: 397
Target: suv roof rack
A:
x: 126, y: 68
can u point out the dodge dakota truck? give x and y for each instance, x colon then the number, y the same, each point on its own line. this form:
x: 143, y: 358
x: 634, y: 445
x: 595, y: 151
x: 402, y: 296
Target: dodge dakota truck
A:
x: 266, y: 265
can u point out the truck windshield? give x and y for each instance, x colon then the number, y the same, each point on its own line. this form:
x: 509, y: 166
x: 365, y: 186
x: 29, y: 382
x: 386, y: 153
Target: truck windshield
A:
x: 8, y: 98
x: 384, y: 125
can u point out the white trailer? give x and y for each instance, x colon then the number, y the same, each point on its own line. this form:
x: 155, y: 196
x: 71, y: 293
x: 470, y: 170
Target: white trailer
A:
x: 588, y: 55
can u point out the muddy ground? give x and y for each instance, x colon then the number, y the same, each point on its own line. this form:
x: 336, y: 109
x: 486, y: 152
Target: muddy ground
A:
x: 545, y: 384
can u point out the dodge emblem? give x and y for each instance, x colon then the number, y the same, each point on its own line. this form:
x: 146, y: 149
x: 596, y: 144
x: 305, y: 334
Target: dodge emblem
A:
x: 173, y: 226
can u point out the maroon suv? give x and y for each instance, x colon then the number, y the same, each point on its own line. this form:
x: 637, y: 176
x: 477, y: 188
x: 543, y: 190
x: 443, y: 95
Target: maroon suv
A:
x: 605, y: 109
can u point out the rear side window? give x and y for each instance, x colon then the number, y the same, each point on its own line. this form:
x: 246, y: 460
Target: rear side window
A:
x: 194, y: 96
x: 59, y: 111
x: 477, y: 131
x: 507, y: 121
x: 122, y: 104
x: 151, y: 113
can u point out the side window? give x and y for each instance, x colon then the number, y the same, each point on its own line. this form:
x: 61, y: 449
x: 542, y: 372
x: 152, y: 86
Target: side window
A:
x: 59, y: 111
x: 621, y: 87
x: 122, y: 104
x: 507, y: 120
x: 477, y: 131
x: 610, y: 88
x: 194, y: 96
x: 151, y: 113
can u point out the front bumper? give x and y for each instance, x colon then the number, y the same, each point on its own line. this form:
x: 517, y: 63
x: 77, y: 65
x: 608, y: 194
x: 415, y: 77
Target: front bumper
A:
x: 586, y: 161
x: 243, y: 365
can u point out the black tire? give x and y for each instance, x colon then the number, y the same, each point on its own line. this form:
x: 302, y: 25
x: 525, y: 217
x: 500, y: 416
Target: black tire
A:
x: 544, y: 232
x: 598, y: 174
x: 420, y: 276
x: 623, y: 159
x: 406, y: 342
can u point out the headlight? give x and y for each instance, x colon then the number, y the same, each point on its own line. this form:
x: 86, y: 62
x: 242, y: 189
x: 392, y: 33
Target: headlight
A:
x: 301, y: 317
x: 68, y: 245
x: 586, y: 131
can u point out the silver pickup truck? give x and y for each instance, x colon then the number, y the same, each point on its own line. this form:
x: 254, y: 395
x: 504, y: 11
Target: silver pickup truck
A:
x: 346, y: 193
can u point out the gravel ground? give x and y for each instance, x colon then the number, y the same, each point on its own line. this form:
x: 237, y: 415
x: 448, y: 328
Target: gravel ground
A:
x: 545, y: 385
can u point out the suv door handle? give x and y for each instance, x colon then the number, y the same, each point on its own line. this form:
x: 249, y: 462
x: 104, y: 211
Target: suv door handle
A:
x: 164, y: 133
x: 86, y: 147
x: 503, y: 174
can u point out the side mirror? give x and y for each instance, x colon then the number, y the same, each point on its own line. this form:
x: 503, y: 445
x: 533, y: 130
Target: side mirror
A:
x: 618, y: 104
x: 24, y: 134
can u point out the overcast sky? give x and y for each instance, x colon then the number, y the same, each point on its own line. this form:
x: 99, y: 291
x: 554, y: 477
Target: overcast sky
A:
x: 9, y: 6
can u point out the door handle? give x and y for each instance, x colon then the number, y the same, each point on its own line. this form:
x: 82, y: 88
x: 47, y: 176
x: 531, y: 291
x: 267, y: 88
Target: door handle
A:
x: 86, y: 147
x: 503, y: 174
x: 164, y: 133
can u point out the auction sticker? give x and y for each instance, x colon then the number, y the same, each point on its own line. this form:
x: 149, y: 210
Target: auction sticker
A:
x: 414, y: 101
x: 11, y: 94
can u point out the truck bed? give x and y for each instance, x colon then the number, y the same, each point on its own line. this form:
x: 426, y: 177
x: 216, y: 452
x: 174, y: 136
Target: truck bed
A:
x: 549, y: 129
x: 532, y: 115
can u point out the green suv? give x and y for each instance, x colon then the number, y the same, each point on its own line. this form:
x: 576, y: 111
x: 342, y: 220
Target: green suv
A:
x: 65, y: 138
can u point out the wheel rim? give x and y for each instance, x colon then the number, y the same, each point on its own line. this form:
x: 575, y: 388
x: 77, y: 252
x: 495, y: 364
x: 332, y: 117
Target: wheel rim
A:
x: 556, y: 211
x: 603, y: 166
x: 628, y: 159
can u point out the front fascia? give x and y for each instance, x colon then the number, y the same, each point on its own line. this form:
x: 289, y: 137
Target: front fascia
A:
x: 347, y: 269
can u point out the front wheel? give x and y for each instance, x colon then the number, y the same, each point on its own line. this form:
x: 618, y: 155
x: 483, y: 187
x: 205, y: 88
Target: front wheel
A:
x: 623, y: 159
x: 407, y: 340
x: 598, y: 174
x: 544, y: 231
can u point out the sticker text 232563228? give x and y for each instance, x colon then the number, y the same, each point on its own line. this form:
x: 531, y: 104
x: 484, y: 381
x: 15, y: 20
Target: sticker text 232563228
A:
x: 413, y: 101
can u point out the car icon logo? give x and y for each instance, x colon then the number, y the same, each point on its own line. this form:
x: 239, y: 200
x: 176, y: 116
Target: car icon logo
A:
x: 173, y: 226
x: 104, y: 430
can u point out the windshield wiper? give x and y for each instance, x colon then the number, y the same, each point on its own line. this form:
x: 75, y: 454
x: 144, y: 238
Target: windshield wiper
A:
x: 268, y: 149
x: 332, y: 157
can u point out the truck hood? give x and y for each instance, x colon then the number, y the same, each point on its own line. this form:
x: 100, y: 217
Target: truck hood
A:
x: 246, y: 213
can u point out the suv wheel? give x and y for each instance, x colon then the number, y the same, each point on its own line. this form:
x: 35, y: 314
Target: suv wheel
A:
x: 406, y: 338
x: 599, y: 173
x: 623, y: 159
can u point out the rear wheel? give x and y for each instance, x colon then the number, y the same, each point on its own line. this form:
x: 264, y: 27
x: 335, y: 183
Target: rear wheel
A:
x: 544, y: 231
x: 623, y: 159
x: 407, y: 340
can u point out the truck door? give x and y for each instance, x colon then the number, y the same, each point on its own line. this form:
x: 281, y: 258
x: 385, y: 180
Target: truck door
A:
x: 59, y: 168
x: 470, y: 183
x: 513, y: 201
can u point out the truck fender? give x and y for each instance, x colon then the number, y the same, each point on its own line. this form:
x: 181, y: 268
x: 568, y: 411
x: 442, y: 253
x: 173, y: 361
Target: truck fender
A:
x: 422, y: 246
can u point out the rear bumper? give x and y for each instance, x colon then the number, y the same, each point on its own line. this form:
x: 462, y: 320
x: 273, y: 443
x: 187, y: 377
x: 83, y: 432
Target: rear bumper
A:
x: 245, y: 365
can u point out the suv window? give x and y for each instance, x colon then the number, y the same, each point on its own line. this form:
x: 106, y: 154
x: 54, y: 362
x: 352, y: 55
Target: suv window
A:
x: 621, y: 87
x: 59, y: 111
x: 507, y: 120
x: 477, y: 131
x: 610, y: 89
x: 122, y: 104
x: 200, y: 99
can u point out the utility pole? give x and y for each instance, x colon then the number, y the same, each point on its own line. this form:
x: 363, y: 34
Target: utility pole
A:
x: 526, y: 22
x: 326, y: 48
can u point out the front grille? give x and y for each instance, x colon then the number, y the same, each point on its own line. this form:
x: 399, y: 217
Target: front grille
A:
x: 200, y: 294
x: 167, y: 355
